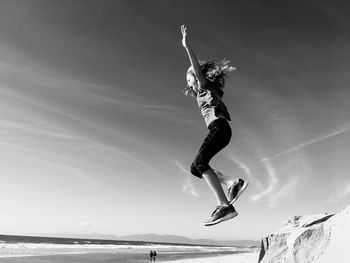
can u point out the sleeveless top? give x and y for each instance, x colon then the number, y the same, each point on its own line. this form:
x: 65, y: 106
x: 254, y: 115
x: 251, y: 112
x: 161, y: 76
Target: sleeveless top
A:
x: 211, y: 105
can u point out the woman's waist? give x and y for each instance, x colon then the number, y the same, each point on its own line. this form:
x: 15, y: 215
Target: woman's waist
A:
x: 220, y: 122
x: 216, y: 109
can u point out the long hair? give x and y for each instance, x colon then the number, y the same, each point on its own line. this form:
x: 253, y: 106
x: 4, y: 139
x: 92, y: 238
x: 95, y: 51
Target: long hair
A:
x: 215, y: 73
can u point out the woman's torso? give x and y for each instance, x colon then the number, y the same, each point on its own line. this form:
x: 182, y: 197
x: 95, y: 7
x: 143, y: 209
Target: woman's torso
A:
x: 211, y: 105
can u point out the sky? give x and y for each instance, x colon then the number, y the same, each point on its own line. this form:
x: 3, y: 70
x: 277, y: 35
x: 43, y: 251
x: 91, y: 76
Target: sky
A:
x: 96, y: 135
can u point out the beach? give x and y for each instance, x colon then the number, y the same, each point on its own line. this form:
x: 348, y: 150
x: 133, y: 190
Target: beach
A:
x: 25, y: 249
x: 55, y: 253
x: 251, y: 257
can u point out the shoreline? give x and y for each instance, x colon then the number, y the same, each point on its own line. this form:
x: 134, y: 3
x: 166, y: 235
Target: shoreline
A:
x: 246, y: 257
x: 12, y: 250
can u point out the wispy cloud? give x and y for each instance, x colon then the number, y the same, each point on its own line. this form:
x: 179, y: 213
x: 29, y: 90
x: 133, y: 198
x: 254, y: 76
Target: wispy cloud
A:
x: 273, y: 194
x: 53, y: 145
x: 85, y: 224
x: 36, y: 127
x: 144, y: 106
x: 300, y: 146
x: 285, y: 192
x: 273, y: 181
x: 187, y: 185
x: 246, y: 170
x: 340, y: 193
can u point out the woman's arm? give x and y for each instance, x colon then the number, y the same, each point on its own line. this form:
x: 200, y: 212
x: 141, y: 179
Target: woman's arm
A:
x: 193, y: 59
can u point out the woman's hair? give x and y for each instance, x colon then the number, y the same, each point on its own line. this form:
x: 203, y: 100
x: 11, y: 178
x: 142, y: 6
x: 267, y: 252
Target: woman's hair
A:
x: 214, y: 72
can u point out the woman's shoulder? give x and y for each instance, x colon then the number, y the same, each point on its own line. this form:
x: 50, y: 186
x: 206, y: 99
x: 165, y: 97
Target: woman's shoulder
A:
x: 207, y: 86
x: 214, y: 88
x: 210, y: 87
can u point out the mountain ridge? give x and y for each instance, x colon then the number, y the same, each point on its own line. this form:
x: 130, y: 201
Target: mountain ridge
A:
x: 151, y: 237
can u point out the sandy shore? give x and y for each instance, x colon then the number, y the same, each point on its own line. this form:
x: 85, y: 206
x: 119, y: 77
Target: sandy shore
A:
x: 97, y: 253
x: 236, y: 258
x: 251, y: 257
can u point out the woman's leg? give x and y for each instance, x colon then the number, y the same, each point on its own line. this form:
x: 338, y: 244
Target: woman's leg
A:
x: 212, y: 179
x: 224, y: 179
x: 218, y: 137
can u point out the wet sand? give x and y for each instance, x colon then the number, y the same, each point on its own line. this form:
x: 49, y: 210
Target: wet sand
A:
x: 138, y: 258
x: 234, y: 258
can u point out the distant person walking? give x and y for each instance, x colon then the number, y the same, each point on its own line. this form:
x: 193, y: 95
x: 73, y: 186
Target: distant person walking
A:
x: 205, y: 82
x: 152, y: 256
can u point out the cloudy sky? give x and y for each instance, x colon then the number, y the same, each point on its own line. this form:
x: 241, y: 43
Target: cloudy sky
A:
x: 96, y: 136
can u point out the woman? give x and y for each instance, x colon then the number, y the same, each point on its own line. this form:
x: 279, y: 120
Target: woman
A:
x: 205, y: 81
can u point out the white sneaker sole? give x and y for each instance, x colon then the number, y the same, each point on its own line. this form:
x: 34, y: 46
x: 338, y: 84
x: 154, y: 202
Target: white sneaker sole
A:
x: 245, y: 185
x: 222, y: 219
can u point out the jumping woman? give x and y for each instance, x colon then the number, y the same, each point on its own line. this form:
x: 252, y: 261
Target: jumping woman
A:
x: 205, y: 81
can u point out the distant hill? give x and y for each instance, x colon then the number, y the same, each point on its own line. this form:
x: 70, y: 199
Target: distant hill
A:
x: 164, y: 239
x: 185, y: 240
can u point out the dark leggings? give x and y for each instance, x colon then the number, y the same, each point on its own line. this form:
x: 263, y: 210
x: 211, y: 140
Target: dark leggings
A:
x: 219, y: 136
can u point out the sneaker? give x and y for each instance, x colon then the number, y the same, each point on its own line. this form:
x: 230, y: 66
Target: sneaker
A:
x: 220, y: 214
x: 236, y: 189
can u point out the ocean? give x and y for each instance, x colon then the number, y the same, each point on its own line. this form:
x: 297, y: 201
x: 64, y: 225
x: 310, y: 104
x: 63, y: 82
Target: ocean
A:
x: 31, y: 249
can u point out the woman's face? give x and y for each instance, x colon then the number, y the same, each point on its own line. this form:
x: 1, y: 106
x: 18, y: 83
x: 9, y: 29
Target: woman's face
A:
x: 192, y: 81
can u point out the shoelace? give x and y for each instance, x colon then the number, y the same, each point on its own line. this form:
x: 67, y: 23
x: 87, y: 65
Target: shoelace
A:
x: 238, y: 182
x: 218, y: 207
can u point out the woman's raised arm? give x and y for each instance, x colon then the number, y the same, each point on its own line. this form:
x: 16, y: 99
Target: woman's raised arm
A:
x: 193, y: 59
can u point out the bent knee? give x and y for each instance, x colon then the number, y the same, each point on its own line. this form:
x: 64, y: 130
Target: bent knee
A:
x: 194, y: 170
x: 198, y: 168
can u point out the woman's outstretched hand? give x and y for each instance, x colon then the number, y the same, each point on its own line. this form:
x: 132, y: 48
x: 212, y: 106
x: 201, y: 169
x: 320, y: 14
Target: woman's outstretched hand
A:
x: 185, y: 41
